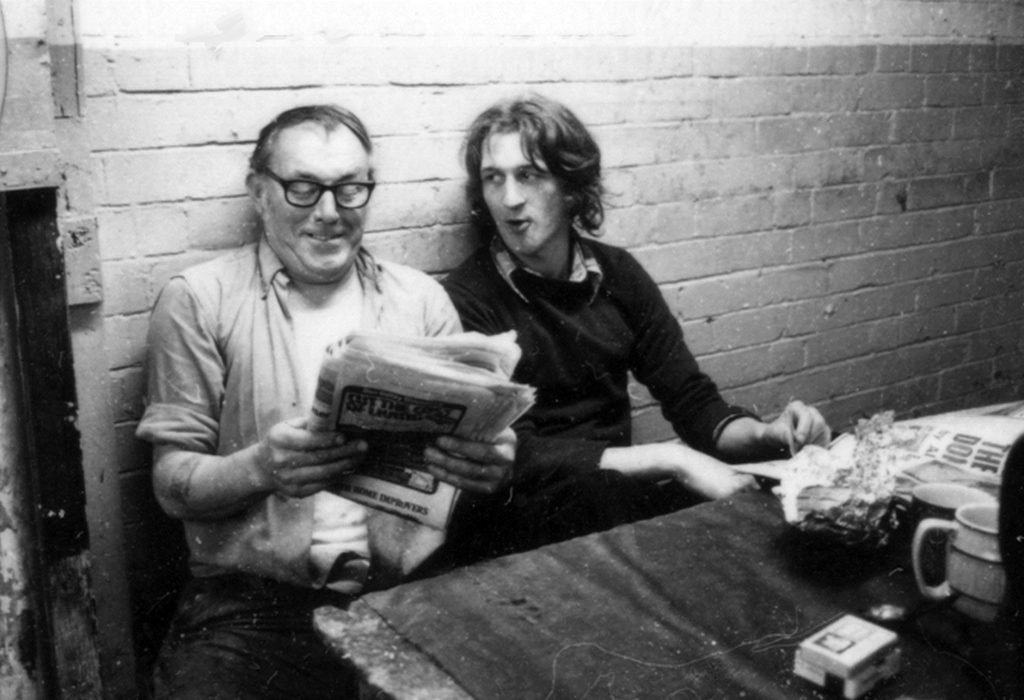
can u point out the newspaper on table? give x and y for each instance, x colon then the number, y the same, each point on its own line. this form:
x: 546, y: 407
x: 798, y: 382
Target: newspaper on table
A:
x: 399, y: 393
x: 848, y: 490
x: 968, y: 448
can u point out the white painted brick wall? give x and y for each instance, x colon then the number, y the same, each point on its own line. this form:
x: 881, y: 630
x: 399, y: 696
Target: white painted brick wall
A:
x: 831, y: 193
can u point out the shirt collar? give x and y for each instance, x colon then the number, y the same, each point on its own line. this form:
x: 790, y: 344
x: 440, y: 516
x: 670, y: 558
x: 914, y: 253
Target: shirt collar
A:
x: 274, y: 273
x: 585, y: 268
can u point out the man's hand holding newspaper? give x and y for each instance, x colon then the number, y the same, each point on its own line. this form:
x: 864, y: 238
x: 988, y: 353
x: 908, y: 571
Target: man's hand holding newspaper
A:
x: 471, y: 465
x: 399, y: 395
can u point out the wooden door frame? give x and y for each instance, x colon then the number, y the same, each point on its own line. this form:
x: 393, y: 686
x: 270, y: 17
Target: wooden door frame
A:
x: 66, y: 620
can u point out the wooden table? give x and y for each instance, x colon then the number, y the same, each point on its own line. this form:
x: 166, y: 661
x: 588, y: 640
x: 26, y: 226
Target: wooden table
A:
x: 709, y: 602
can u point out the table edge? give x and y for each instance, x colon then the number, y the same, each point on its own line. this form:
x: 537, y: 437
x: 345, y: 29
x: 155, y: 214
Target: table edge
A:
x: 398, y: 670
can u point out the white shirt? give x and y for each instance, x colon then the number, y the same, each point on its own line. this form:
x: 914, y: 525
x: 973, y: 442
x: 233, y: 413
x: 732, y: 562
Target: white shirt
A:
x: 339, y: 525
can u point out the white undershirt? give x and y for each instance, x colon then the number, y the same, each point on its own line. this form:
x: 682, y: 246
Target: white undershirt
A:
x: 321, y: 317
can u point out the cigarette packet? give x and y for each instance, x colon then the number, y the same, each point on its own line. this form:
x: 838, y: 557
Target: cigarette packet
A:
x: 849, y: 657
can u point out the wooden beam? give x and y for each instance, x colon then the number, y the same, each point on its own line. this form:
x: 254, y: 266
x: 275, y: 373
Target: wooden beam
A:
x: 54, y: 448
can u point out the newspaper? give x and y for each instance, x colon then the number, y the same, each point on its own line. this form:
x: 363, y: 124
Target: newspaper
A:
x: 963, y: 448
x: 968, y: 447
x: 399, y: 394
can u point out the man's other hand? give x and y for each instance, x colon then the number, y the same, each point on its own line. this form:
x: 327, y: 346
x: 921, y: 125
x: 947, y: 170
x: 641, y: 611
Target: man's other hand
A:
x: 296, y: 462
x: 480, y: 467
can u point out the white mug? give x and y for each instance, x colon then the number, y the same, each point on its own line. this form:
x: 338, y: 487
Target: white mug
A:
x: 974, y: 570
x: 939, y: 500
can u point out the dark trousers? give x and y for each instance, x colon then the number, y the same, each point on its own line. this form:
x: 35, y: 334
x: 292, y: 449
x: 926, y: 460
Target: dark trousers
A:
x: 241, y: 636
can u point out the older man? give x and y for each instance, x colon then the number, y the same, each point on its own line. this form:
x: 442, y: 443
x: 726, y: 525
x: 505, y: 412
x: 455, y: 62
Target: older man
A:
x: 586, y: 315
x: 235, y: 346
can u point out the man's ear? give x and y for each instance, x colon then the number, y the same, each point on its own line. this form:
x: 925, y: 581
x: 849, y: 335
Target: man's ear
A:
x: 255, y: 185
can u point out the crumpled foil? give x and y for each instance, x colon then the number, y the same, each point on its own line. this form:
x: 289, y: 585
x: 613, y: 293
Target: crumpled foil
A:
x: 853, y: 521
x: 846, y: 493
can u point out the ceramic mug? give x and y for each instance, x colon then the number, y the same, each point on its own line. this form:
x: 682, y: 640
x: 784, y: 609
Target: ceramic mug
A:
x: 974, y: 571
x: 939, y: 500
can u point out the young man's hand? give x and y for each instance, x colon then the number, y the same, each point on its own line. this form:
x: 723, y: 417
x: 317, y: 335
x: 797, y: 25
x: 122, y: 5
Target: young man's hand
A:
x: 700, y: 473
x: 798, y: 425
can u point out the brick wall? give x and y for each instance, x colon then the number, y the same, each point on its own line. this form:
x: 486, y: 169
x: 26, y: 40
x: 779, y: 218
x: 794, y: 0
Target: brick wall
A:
x: 830, y: 194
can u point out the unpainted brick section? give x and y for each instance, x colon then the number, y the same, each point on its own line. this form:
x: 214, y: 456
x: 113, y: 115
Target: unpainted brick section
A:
x: 791, y: 208
x: 893, y: 59
x: 826, y: 241
x: 1004, y: 88
x: 996, y: 343
x: 742, y: 329
x: 940, y: 58
x: 1010, y: 58
x: 856, y: 340
x: 1008, y: 182
x: 914, y: 160
x: 964, y: 379
x: 750, y: 289
x: 1001, y: 280
x: 841, y: 203
x: 1003, y: 310
x: 748, y: 365
x: 980, y: 122
x: 953, y: 91
x: 941, y: 191
x: 835, y: 311
x: 915, y: 228
x: 650, y: 426
x: 813, y: 171
x: 947, y: 290
x: 892, y: 91
x: 841, y: 60
x: 922, y: 125
x: 922, y: 326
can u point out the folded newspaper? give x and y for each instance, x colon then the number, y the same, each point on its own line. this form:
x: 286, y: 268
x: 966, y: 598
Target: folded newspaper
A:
x: 400, y: 393
x: 852, y: 490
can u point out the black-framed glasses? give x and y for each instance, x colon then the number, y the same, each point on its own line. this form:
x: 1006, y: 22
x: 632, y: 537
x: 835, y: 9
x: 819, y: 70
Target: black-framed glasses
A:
x: 306, y: 193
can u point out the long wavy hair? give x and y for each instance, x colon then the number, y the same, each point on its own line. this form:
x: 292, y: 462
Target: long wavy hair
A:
x: 551, y: 133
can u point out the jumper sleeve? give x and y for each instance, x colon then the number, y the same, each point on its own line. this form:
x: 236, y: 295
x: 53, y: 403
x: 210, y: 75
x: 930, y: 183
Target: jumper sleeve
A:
x: 661, y: 360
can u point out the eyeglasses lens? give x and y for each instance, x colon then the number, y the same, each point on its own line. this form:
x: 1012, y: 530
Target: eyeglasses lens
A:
x: 301, y: 193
